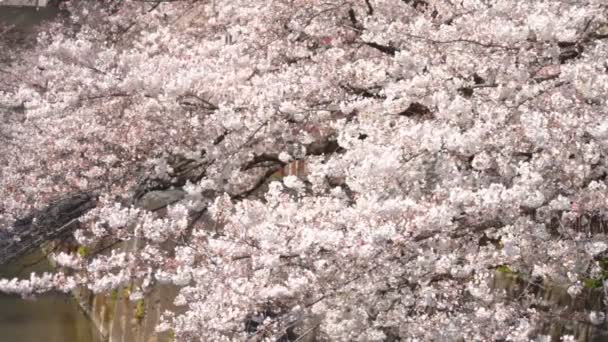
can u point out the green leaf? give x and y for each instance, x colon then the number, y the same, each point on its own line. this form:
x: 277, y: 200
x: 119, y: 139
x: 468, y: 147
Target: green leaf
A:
x: 505, y: 269
x: 82, y: 251
x: 593, y: 283
x: 140, y: 309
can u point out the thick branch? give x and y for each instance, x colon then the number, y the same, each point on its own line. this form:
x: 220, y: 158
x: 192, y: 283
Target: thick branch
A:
x: 55, y: 220
x: 389, y: 50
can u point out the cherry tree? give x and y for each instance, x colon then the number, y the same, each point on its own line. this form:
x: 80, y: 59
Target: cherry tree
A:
x: 440, y: 141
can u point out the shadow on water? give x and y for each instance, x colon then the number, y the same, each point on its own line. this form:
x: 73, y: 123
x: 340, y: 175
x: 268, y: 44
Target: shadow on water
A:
x: 53, y: 317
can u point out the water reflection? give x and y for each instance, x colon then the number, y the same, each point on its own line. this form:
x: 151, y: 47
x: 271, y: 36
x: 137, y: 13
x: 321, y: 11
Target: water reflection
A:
x: 51, y: 317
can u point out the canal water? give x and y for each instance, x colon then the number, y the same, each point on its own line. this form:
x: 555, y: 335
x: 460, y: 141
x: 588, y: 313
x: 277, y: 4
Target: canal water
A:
x: 25, y: 18
x: 53, y: 317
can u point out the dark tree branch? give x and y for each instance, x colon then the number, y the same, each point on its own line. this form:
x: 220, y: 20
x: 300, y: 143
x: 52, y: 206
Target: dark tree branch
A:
x: 389, y: 50
x: 363, y: 92
x: 323, y: 147
x: 370, y: 9
x: 353, y: 18
x: 417, y: 4
x: 203, y: 103
x: 262, y: 160
x: 220, y: 138
x: 416, y: 109
x: 257, y: 185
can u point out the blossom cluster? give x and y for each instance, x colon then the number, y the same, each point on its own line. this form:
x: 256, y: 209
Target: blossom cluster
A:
x: 443, y: 141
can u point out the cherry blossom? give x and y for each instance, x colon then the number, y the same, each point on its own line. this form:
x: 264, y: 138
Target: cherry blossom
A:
x: 443, y: 142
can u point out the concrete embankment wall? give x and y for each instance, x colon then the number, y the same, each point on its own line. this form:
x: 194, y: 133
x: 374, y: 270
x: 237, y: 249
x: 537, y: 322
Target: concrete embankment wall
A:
x: 117, y: 318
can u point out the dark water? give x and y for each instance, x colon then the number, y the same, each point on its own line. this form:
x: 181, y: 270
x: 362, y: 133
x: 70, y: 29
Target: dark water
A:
x: 25, y: 18
x: 18, y: 30
x: 52, y: 317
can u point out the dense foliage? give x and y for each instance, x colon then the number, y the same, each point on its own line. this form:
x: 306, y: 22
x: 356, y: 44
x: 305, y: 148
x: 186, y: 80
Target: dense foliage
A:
x: 442, y: 140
